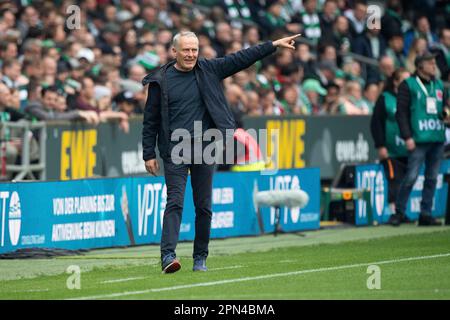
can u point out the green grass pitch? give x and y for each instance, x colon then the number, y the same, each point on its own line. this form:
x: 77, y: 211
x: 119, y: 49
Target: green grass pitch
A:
x: 414, y: 263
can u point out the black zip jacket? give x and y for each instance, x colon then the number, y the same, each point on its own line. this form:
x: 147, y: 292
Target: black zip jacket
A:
x: 209, y: 75
x: 378, y: 122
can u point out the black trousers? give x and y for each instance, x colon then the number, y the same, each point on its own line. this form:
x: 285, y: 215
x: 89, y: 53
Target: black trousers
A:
x: 395, y: 170
x: 201, y: 181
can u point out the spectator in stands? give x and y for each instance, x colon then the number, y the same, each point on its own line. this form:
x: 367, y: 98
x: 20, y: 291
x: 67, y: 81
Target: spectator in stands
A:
x: 328, y: 54
x: 352, y: 103
x: 387, y: 67
x: 109, y: 38
x: 342, y: 37
x: 326, y: 72
x: 352, y: 71
x: 267, y: 78
x: 270, y: 104
x: 395, y: 50
x: 86, y: 100
x: 370, y: 44
x: 236, y: 100
x: 418, y: 48
x: 9, y: 111
x: 357, y: 17
x: 331, y: 101
x: 421, y: 30
x: 310, y: 21
x: 314, y: 91
x: 127, y: 103
x: 223, y: 38
x: 305, y: 59
x: 251, y: 37
x: 253, y: 106
x: 136, y: 72
x: 392, y: 20
x: 8, y: 50
x: 48, y: 108
x: 442, y: 51
x: 290, y: 100
x: 371, y: 93
x: 12, y: 77
x: 29, y: 21
x: 271, y: 19
x: 327, y: 18
x: 49, y: 67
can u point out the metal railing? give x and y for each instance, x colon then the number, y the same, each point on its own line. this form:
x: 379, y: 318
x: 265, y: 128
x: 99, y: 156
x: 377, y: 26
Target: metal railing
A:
x: 31, y: 164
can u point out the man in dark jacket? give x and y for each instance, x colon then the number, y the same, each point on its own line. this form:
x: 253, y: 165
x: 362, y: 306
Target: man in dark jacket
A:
x: 180, y: 93
x: 420, y: 115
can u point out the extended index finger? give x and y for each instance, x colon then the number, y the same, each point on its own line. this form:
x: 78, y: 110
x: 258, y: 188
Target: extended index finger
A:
x: 295, y: 36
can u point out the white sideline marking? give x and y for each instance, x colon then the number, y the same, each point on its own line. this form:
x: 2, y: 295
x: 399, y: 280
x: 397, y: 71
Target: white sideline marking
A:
x: 225, y: 268
x: 31, y: 290
x: 141, y: 278
x: 123, y: 280
x: 267, y: 276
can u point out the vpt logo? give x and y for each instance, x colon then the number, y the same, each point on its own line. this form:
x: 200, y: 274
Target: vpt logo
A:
x: 285, y: 183
x: 151, y: 202
x: 371, y: 179
x: 379, y: 194
x: 14, y: 217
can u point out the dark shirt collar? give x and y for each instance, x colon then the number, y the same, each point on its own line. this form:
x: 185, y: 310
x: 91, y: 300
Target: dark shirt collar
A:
x: 422, y: 79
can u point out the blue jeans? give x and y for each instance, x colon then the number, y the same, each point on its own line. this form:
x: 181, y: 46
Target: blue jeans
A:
x: 431, y: 154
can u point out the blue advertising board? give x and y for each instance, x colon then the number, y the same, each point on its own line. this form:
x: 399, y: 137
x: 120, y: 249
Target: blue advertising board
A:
x: 373, y: 177
x: 99, y: 213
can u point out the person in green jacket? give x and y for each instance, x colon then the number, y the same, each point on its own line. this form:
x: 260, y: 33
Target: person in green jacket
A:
x: 421, y: 118
x: 391, y: 147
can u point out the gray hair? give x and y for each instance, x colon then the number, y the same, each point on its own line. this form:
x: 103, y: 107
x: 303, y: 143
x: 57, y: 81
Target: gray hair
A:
x: 176, y: 38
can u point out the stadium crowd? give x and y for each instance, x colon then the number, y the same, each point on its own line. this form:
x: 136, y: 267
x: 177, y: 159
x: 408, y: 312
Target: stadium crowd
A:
x: 57, y: 65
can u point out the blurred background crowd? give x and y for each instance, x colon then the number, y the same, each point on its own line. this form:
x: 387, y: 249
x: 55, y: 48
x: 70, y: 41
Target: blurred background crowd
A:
x: 55, y: 67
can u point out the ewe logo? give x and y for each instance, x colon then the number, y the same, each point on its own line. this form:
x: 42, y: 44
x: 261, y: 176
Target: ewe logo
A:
x: 14, y: 217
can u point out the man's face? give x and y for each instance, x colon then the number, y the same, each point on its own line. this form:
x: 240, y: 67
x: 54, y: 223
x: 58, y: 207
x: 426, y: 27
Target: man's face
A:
x: 11, y: 51
x: 330, y: 8
x: 360, y: 11
x: 136, y: 73
x: 429, y: 67
x: 127, y: 107
x: 445, y: 39
x: 423, y: 25
x: 13, y: 71
x: 50, y: 100
x: 186, y: 53
x: 387, y: 66
x: 223, y: 33
x: 332, y: 95
x: 396, y: 43
x: 310, y: 6
x: 61, y: 104
x: 88, y: 88
x: 5, y: 95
